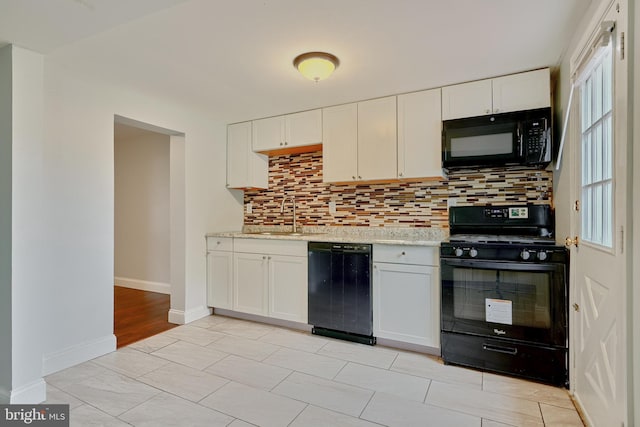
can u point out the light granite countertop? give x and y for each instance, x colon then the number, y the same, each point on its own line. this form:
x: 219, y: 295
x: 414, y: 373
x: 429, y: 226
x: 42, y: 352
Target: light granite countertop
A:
x: 375, y: 235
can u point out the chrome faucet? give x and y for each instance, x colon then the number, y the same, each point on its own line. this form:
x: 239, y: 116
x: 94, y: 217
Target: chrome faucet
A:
x: 293, y: 202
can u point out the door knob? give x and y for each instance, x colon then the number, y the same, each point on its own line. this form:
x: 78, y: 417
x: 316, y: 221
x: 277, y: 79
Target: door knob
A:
x: 568, y: 242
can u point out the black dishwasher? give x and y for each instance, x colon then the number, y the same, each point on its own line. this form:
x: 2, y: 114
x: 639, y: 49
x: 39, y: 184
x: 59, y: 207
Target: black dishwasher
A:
x: 340, y: 291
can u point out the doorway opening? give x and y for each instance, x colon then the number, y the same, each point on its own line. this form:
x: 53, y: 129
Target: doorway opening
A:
x: 148, y: 227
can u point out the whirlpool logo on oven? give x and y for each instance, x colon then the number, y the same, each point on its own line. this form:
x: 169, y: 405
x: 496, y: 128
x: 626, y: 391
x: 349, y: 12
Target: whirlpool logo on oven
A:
x: 499, y: 332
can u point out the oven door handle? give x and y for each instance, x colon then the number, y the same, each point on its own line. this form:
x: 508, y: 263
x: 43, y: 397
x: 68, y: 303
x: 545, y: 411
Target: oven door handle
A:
x: 500, y: 349
x: 502, y: 265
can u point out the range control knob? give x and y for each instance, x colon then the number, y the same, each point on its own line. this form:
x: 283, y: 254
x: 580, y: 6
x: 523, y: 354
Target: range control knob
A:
x: 542, y: 255
x: 525, y: 254
x: 473, y: 252
x: 458, y: 251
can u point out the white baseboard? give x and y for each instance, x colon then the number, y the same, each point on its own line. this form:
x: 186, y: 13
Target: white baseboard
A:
x: 263, y: 319
x: 418, y: 348
x: 35, y: 392
x: 180, y: 317
x: 143, y: 285
x: 71, y: 356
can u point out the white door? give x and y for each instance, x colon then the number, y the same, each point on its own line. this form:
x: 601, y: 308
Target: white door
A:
x: 599, y: 282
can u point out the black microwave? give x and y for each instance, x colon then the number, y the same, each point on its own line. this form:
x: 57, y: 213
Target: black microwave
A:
x: 517, y: 138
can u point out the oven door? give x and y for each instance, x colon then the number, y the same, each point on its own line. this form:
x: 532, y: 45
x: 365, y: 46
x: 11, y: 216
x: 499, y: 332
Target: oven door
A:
x: 514, y: 300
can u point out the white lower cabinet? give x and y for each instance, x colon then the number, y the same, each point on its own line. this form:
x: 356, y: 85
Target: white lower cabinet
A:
x: 270, y: 278
x: 288, y: 287
x: 406, y: 294
x: 220, y: 272
x: 250, y: 275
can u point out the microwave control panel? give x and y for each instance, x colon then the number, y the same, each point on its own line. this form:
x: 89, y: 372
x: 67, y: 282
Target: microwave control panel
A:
x: 537, y: 141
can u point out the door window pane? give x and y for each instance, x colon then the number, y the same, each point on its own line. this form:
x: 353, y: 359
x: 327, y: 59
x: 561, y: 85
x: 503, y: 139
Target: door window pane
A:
x: 597, y: 151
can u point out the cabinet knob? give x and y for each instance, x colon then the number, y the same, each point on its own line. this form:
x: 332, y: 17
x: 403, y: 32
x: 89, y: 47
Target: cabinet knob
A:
x: 281, y: 144
x: 359, y: 177
x: 497, y: 110
x: 218, y: 242
x: 353, y: 177
x: 403, y: 253
x: 286, y: 143
x: 487, y: 111
x: 400, y: 174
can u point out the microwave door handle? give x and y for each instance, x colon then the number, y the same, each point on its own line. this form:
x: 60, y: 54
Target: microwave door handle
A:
x: 520, y: 141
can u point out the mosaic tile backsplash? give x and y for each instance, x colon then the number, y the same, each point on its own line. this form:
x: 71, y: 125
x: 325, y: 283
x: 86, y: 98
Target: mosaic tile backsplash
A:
x: 398, y: 204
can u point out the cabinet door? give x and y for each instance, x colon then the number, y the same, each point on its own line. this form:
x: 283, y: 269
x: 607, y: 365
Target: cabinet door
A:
x: 219, y: 279
x: 288, y: 288
x: 245, y: 169
x: 250, y: 283
x: 420, y: 135
x: 407, y: 303
x: 340, y: 143
x: 303, y: 128
x: 523, y: 91
x: 377, y: 139
x: 467, y: 100
x: 268, y: 134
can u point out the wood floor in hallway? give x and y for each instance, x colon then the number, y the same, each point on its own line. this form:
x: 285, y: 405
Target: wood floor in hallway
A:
x: 139, y: 314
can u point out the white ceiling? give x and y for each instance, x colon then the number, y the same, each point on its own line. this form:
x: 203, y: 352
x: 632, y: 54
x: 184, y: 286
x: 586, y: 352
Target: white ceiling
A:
x: 234, y: 57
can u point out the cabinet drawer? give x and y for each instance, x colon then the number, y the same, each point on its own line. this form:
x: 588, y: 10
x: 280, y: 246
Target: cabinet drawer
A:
x: 420, y: 255
x: 271, y: 247
x: 219, y: 243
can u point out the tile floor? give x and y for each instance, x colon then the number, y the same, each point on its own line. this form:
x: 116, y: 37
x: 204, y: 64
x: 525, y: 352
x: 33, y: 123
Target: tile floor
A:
x: 220, y: 371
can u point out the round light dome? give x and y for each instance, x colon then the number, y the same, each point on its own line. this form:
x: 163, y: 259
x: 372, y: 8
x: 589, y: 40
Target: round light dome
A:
x: 316, y: 66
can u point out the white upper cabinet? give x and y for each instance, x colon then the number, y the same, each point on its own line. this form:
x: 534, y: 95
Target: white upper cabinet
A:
x: 377, y: 139
x: 467, y: 100
x: 523, y: 91
x: 303, y: 128
x: 245, y: 169
x: 286, y: 132
x: 360, y: 142
x: 515, y: 92
x: 420, y: 135
x: 340, y: 145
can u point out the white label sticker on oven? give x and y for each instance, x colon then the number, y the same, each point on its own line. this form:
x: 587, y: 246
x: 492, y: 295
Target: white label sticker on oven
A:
x: 518, y: 213
x: 498, y: 311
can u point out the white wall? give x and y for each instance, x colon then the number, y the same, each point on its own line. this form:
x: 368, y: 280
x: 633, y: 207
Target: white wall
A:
x: 26, y: 140
x: 5, y: 223
x: 63, y: 210
x: 142, y: 208
x: 79, y: 162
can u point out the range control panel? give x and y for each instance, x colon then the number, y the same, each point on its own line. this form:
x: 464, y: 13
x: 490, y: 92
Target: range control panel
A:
x: 511, y: 212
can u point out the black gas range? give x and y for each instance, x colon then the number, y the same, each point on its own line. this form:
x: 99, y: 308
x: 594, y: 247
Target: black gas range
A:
x: 504, y: 292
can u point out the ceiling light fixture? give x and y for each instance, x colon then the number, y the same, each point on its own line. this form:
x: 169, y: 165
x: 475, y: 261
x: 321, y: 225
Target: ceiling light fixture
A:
x: 316, y: 66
